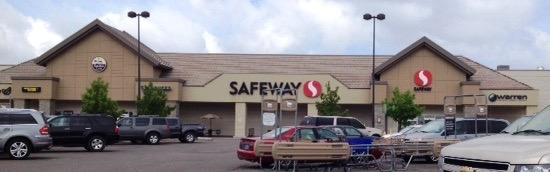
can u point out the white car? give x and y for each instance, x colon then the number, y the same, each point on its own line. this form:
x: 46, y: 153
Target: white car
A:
x: 525, y: 150
x: 341, y: 120
x: 407, y: 130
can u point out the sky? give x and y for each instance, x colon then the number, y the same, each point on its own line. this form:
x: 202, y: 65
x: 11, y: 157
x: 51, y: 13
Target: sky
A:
x: 492, y: 32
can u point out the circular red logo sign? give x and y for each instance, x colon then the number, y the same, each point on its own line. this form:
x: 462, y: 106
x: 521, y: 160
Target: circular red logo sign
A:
x: 423, y: 78
x: 312, y: 89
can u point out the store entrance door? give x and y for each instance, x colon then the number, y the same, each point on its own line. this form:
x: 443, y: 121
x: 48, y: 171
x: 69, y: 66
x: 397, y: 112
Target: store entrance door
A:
x: 31, y: 104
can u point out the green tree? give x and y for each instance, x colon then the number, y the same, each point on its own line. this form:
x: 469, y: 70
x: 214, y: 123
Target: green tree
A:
x: 329, y: 103
x: 154, y: 102
x: 401, y: 107
x: 96, y: 100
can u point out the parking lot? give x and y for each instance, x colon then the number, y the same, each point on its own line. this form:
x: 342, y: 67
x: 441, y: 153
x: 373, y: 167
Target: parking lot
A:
x: 171, y: 155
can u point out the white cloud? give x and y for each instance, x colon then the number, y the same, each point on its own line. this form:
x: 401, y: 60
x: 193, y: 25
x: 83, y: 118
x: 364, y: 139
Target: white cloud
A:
x: 491, y: 31
x: 40, y: 36
x: 211, y: 43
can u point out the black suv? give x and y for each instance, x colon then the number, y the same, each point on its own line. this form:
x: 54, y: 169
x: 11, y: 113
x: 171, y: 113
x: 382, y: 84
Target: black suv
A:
x: 93, y: 132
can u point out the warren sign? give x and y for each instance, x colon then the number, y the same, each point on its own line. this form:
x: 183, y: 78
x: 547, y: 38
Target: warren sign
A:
x: 312, y: 90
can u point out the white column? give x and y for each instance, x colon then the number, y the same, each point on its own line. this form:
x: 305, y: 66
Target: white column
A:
x: 240, y: 120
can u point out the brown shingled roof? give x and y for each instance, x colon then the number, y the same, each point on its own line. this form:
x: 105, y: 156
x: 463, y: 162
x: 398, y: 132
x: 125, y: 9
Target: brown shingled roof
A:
x: 124, y: 38
x: 28, y: 68
x: 352, y: 71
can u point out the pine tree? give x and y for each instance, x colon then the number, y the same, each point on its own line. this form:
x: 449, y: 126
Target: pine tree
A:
x: 96, y: 100
x: 154, y: 102
x: 329, y: 103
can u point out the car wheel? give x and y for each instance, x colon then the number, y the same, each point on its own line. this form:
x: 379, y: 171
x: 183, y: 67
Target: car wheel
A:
x: 376, y: 135
x: 188, y: 137
x: 95, y: 144
x: 18, y: 149
x: 266, y: 164
x: 152, y: 138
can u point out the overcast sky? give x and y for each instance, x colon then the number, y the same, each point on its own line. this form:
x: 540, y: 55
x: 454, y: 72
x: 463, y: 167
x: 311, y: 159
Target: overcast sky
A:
x: 492, y: 32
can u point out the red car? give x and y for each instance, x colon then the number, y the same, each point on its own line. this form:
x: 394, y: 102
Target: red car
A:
x: 247, y: 146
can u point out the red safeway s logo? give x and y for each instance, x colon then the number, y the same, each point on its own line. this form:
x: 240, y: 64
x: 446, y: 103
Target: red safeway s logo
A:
x: 423, y: 78
x: 312, y: 89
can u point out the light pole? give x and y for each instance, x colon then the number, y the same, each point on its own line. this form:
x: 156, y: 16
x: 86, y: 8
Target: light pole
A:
x: 380, y: 16
x: 133, y: 14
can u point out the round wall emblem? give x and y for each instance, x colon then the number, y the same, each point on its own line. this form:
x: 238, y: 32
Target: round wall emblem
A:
x: 492, y: 97
x: 99, y: 64
x: 312, y: 89
x: 423, y: 78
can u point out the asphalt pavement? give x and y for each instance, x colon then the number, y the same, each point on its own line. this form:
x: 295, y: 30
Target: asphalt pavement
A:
x: 216, y: 155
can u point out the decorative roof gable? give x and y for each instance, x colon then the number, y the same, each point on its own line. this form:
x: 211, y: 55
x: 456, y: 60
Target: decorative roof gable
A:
x: 124, y: 38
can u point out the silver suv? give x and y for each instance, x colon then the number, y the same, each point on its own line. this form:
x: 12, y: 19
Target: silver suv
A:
x: 23, y: 131
x: 147, y: 129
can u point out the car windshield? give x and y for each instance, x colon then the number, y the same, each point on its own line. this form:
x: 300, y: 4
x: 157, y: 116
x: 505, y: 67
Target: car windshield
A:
x: 412, y: 130
x: 539, y: 123
x: 275, y: 133
x: 435, y: 126
x: 516, y: 125
x: 405, y: 130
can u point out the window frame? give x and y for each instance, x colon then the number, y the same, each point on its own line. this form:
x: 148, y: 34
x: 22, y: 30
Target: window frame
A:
x: 146, y: 124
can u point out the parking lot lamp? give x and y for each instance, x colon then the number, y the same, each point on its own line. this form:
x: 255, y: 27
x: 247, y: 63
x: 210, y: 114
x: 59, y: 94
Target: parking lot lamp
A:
x: 380, y: 16
x: 133, y: 14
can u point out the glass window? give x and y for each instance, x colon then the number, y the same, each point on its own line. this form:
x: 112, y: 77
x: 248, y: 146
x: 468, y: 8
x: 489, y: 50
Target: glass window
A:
x: 308, y: 121
x: 172, y: 122
x: 307, y: 134
x: 338, y: 131
x: 356, y: 124
x: 435, y: 126
x: 4, y: 120
x: 342, y: 121
x: 22, y: 119
x: 325, y: 121
x: 352, y: 132
x: 104, y: 121
x: 159, y: 121
x: 276, y: 132
x: 325, y: 134
x: 516, y: 125
x: 80, y: 122
x: 497, y: 126
x: 142, y: 121
x: 60, y: 122
x: 127, y: 122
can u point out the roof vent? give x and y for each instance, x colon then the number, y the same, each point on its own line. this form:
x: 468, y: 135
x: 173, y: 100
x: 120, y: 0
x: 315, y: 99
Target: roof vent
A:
x: 503, y: 67
x: 540, y: 67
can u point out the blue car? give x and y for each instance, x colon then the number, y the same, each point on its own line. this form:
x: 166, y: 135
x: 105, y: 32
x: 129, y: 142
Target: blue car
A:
x: 358, y: 142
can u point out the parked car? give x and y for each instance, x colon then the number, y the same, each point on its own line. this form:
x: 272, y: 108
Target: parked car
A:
x: 247, y: 146
x: 186, y: 133
x: 357, y: 140
x: 407, y: 130
x: 23, y: 131
x: 147, y: 129
x: 93, y: 132
x: 517, y: 124
x: 339, y: 120
x: 525, y: 150
x: 465, y: 129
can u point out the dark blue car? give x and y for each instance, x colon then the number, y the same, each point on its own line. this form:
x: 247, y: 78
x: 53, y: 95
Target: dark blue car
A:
x: 358, y: 142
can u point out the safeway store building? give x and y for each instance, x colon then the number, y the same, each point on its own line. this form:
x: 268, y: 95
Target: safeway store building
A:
x: 229, y: 85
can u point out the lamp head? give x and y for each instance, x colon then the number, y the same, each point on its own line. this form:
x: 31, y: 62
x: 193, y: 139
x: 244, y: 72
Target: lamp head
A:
x: 146, y: 14
x: 380, y: 16
x: 132, y: 14
x: 367, y: 16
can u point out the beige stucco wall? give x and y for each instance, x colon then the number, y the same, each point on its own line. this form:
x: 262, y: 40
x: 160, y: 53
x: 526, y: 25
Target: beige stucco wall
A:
x: 73, y: 68
x: 47, y: 89
x: 538, y: 79
x: 218, y: 89
x: 446, y: 77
